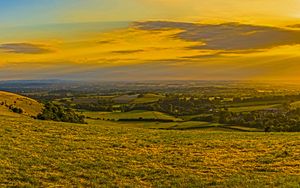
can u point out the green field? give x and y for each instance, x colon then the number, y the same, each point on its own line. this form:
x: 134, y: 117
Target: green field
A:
x: 111, y: 119
x: 252, y: 108
x: 257, y: 103
x: 125, y: 98
x: 295, y: 104
x: 136, y: 114
x: 49, y: 154
x: 148, y: 98
x: 184, y: 125
x: 189, y: 117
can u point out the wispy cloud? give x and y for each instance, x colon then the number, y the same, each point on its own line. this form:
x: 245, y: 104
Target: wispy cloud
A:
x: 216, y: 54
x: 24, y: 48
x: 105, y: 41
x: 128, y: 51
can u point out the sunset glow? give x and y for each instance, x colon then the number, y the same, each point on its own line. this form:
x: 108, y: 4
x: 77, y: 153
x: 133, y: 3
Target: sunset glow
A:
x: 150, y: 39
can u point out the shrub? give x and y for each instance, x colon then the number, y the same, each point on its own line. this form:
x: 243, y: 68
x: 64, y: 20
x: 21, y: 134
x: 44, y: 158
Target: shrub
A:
x: 59, y: 113
x: 16, y: 109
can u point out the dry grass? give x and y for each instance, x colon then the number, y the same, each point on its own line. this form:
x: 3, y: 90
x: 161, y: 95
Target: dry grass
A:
x: 44, y: 154
x: 29, y: 106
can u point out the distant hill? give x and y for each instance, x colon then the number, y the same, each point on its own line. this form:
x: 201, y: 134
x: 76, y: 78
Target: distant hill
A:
x: 10, y: 101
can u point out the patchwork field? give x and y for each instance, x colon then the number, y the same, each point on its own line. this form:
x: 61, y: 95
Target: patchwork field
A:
x: 183, y: 123
x: 181, y: 126
x: 48, y: 154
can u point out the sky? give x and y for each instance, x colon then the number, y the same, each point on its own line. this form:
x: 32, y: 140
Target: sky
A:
x: 150, y: 39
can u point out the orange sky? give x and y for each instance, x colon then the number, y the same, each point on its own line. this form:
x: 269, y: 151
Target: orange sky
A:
x: 151, y: 40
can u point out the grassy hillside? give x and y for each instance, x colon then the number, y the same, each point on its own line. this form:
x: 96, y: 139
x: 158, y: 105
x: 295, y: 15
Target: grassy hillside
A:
x: 29, y: 106
x: 50, y: 154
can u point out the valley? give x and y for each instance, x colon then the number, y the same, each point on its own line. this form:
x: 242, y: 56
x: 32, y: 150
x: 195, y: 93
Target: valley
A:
x: 125, y: 143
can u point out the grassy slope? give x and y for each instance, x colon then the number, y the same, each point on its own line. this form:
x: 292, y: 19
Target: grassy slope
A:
x: 37, y: 153
x: 29, y: 106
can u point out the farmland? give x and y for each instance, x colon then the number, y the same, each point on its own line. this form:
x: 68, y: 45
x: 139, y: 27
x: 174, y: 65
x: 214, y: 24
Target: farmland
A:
x: 149, y: 94
x: 130, y: 115
x: 150, y: 139
x: 252, y: 108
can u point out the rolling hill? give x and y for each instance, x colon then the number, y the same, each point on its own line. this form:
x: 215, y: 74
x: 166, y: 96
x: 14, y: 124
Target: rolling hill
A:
x: 29, y: 106
x: 36, y: 153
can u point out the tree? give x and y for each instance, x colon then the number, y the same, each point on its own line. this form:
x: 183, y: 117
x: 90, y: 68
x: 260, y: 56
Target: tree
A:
x: 58, y: 113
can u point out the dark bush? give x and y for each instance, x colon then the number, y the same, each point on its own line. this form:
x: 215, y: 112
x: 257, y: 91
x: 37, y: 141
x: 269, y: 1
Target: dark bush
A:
x: 59, y: 113
x: 17, y: 110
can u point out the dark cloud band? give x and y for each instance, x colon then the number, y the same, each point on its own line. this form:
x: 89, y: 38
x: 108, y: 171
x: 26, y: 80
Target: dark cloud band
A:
x: 25, y: 48
x: 128, y: 51
x: 227, y: 36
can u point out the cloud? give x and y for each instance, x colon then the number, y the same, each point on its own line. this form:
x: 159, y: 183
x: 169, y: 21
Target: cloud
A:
x: 222, y: 54
x: 227, y: 36
x: 294, y: 26
x: 214, y: 55
x: 128, y: 51
x: 24, y: 48
x: 105, y: 41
